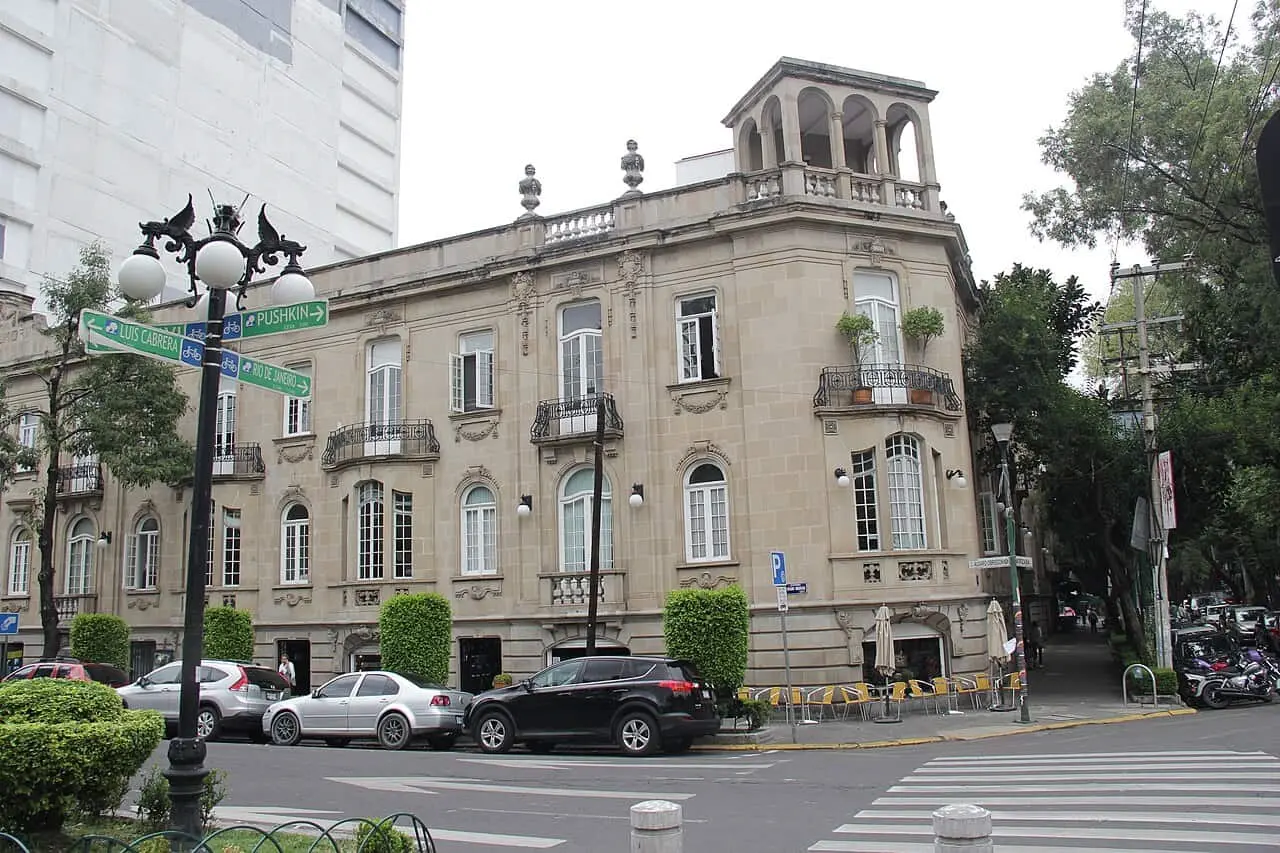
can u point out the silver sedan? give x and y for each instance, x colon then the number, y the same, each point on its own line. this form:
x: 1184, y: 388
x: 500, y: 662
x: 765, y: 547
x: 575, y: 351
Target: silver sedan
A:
x: 393, y: 708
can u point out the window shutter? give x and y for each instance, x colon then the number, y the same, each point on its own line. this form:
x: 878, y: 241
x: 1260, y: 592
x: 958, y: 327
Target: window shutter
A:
x: 455, y: 383
x: 484, y: 379
x: 131, y: 561
x: 715, y: 341
x: 689, y: 349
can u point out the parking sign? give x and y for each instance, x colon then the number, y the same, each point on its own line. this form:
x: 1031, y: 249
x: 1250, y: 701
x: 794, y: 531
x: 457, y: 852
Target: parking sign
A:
x: 779, y: 561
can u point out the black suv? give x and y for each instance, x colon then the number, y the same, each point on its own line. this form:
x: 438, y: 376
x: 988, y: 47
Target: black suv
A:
x: 640, y: 704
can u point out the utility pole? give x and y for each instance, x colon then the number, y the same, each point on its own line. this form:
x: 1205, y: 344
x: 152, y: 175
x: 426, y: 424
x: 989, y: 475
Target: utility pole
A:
x: 1157, y: 544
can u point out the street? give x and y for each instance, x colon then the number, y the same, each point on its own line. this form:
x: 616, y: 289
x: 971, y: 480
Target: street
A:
x: 1200, y: 782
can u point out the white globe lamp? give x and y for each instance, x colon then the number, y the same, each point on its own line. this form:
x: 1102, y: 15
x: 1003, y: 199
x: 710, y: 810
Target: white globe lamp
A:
x: 141, y: 277
x: 220, y: 265
x: 202, y: 305
x: 523, y: 509
x: 292, y: 287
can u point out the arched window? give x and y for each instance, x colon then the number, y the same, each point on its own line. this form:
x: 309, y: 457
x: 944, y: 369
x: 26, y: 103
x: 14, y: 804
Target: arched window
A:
x: 906, y: 492
x: 479, y: 531
x: 370, y: 544
x: 295, y: 545
x: 706, y: 513
x: 575, y: 522
x: 142, y: 555
x: 20, y: 563
x: 79, y: 574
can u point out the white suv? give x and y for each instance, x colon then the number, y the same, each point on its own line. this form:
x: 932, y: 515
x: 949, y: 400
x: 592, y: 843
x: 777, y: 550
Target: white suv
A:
x: 233, y: 696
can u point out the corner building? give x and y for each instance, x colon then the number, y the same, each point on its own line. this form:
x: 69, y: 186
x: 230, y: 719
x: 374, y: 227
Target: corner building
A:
x: 457, y: 382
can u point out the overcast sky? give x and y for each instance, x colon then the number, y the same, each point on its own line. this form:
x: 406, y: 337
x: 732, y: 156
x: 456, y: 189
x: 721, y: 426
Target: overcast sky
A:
x: 564, y: 84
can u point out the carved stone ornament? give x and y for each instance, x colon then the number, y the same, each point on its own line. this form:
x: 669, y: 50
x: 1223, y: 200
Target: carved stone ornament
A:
x: 291, y: 494
x: 920, y: 611
x: 705, y: 580
x: 703, y: 450
x: 13, y: 606
x: 297, y: 453
x: 368, y: 597
x: 522, y: 296
x: 962, y: 613
x: 630, y: 268
x: 292, y: 599
x: 479, y: 431
x: 876, y: 248
x: 915, y: 570
x: 143, y: 602
x: 381, y: 317
x: 147, y: 507
x: 853, y: 635
x: 871, y: 573
x: 477, y: 474
x: 476, y: 592
x: 530, y: 190
x: 700, y: 400
x: 632, y: 168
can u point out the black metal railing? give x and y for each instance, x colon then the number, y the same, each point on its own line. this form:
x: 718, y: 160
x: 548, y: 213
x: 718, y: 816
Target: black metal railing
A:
x: 242, y: 460
x: 913, y: 377
x: 82, y: 479
x: 393, y: 438
x: 574, y: 416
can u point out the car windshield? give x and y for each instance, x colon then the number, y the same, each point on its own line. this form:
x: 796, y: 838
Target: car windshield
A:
x: 264, y: 678
x: 1253, y: 614
x: 419, y: 681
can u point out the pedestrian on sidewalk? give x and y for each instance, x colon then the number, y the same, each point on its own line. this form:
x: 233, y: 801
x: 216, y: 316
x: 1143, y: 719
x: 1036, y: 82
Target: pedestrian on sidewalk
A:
x: 288, y: 672
x: 1035, y: 646
x: 1093, y: 621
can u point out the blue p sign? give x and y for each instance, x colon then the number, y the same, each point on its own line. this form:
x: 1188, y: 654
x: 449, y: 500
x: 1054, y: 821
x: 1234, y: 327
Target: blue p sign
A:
x: 779, y: 568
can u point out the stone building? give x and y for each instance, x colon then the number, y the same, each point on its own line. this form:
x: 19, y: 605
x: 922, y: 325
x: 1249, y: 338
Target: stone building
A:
x: 448, y: 446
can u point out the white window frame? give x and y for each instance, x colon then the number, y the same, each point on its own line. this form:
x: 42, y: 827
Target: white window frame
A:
x: 384, y: 396
x: 987, y: 524
x: 232, y: 548
x: 401, y: 535
x: 28, y: 434
x: 691, y: 327
x: 579, y: 501
x: 886, y: 315
x: 476, y: 348
x: 479, y: 531
x: 706, y: 515
x: 904, y: 468
x: 295, y: 546
x: 297, y: 410
x: 224, y: 436
x: 371, y: 520
x: 866, y: 499
x: 19, y: 563
x: 142, y: 555
x: 581, y: 355
x: 210, y: 569
x: 78, y: 577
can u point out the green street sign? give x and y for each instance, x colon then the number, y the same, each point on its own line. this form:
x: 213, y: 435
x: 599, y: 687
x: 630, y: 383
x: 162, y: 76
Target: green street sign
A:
x: 284, y: 318
x: 103, y: 333
x: 278, y: 379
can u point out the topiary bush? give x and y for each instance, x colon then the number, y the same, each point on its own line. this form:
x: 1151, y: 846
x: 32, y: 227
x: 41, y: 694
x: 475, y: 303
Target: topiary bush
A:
x: 66, y: 744
x: 101, y: 638
x: 711, y: 628
x: 417, y: 634
x: 228, y: 634
x: 380, y: 836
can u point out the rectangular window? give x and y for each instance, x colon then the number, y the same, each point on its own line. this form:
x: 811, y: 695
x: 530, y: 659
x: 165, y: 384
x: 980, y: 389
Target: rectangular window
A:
x: 866, y: 510
x: 297, y: 546
x: 471, y: 373
x: 210, y: 570
x: 28, y: 432
x: 987, y: 522
x: 20, y: 565
x: 370, y: 543
x: 402, y: 530
x: 231, y: 547
x: 698, y: 338
x: 297, y: 410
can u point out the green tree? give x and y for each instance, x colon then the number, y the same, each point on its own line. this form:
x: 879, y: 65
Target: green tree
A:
x: 124, y: 408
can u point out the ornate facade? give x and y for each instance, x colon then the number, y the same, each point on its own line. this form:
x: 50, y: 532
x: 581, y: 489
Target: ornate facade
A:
x: 448, y: 445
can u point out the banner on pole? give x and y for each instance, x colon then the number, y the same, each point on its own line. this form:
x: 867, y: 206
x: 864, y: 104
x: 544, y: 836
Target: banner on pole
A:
x: 1168, y: 505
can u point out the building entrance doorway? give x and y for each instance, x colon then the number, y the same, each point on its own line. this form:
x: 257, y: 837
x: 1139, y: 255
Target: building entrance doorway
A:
x: 299, y: 652
x: 142, y: 658
x: 479, y: 659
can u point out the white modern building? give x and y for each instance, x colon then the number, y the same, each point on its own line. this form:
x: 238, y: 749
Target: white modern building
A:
x: 111, y: 112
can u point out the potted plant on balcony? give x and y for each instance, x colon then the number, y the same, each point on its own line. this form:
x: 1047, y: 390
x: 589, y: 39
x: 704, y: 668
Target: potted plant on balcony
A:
x: 922, y: 324
x: 860, y: 331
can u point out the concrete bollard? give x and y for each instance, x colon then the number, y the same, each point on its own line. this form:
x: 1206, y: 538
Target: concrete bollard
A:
x: 656, y: 827
x: 963, y: 827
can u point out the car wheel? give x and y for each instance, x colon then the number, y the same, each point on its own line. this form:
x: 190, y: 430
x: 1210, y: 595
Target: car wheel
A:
x: 443, y: 743
x: 285, y: 729
x: 337, y: 742
x: 208, y: 723
x: 540, y: 747
x: 677, y: 745
x: 638, y: 734
x: 494, y: 733
x: 394, y: 731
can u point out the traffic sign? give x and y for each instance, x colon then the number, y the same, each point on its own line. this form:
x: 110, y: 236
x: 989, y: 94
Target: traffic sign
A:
x: 1000, y: 563
x: 779, y: 561
x: 797, y: 588
x: 278, y: 379
x: 8, y: 623
x: 260, y: 323
x: 782, y: 599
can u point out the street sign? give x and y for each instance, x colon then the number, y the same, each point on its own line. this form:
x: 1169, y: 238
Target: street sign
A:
x: 782, y: 599
x: 8, y: 623
x: 260, y: 323
x: 104, y: 333
x: 1000, y: 563
x: 797, y: 588
x: 779, y: 561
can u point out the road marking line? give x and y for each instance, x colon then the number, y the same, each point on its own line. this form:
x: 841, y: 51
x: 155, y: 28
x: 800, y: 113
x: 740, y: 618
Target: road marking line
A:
x: 908, y: 847
x: 551, y: 764
x: 529, y: 842
x: 987, y: 802
x: 1259, y: 842
x: 1191, y: 754
x: 1048, y: 789
x: 1204, y: 818
x: 411, y: 783
x: 1078, y: 776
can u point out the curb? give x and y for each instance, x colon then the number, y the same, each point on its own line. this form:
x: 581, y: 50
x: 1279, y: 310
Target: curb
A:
x: 926, y: 739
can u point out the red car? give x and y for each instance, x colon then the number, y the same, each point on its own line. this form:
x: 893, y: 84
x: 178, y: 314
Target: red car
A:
x: 73, y: 669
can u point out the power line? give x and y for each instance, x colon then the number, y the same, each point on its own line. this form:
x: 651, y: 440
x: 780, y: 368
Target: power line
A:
x: 1133, y: 121
x: 1204, y: 114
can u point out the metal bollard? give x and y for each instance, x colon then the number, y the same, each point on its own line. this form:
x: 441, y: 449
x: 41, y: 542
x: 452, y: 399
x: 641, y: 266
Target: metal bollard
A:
x: 962, y: 827
x: 656, y: 827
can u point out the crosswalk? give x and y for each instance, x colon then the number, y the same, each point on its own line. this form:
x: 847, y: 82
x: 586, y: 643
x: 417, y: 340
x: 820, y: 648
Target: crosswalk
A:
x: 549, y: 783
x: 1139, y: 802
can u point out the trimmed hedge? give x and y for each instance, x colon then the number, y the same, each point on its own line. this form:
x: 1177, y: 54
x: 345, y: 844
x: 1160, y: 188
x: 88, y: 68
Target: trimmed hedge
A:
x: 228, y: 634
x: 66, y: 744
x: 100, y: 638
x: 711, y: 628
x: 417, y: 634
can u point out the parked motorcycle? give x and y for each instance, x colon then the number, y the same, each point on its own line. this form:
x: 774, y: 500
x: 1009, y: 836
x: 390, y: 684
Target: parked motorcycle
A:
x: 1251, y: 680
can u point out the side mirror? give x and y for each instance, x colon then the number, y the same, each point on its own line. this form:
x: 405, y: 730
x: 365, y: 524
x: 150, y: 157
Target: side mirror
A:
x: 315, y: 694
x: 143, y: 681
x: 527, y: 684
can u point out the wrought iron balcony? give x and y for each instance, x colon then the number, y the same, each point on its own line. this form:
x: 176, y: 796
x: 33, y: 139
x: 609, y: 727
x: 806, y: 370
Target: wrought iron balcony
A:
x: 79, y: 480
x: 68, y: 606
x: 348, y: 445
x: 574, y: 419
x: 916, y: 385
x: 242, y: 460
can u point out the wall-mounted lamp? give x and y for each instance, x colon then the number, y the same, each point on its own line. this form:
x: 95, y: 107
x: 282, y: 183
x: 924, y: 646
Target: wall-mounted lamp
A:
x: 956, y: 478
x: 842, y: 478
x: 104, y: 539
x: 1027, y: 532
x: 525, y: 506
x: 637, y: 496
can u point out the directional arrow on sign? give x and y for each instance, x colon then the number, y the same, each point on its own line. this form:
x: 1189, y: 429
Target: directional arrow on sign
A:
x: 260, y: 323
x: 8, y: 623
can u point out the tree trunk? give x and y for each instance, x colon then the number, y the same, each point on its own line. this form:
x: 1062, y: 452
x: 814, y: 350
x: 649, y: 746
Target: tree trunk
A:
x: 48, y: 516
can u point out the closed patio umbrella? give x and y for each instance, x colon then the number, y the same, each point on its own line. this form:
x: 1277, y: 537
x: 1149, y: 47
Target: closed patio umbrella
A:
x: 884, y: 650
x: 997, y: 639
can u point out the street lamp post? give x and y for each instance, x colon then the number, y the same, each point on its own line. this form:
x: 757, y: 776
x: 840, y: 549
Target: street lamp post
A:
x: 1003, y: 433
x: 222, y: 262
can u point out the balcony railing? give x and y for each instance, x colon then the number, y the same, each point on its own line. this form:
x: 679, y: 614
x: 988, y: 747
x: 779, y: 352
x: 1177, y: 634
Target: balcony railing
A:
x: 358, y: 442
x: 918, y: 385
x: 68, y: 606
x: 242, y: 460
x: 574, y: 418
x: 77, y: 480
x: 573, y: 589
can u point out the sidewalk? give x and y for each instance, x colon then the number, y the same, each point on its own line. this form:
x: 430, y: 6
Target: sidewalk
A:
x: 1078, y: 685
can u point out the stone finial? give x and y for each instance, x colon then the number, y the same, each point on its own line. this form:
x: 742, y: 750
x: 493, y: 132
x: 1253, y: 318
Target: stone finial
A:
x: 632, y: 168
x: 530, y: 189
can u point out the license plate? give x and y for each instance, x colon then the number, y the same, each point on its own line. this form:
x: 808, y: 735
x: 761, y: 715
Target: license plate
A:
x: 272, y: 695
x: 458, y: 720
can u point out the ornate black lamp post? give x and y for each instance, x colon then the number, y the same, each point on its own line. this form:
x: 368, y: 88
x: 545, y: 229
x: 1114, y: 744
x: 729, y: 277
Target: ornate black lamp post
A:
x: 1003, y: 434
x: 222, y: 263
